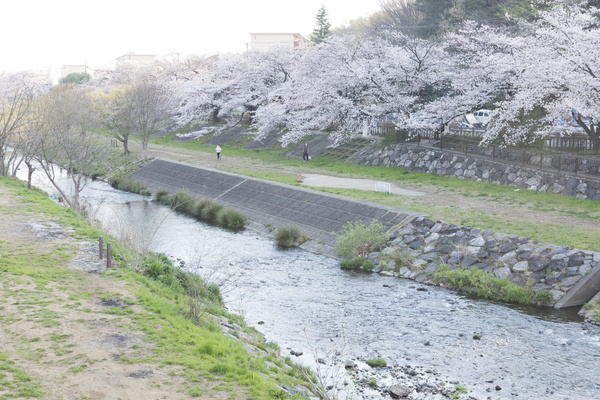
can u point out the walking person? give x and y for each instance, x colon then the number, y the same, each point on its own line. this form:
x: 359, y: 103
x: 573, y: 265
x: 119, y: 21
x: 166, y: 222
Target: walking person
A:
x: 218, y: 149
x: 305, y: 155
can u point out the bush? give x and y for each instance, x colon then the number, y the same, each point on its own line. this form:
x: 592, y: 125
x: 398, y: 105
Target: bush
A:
x: 231, y: 219
x: 202, y: 209
x: 402, y: 259
x: 482, y: 284
x: 288, y: 235
x: 183, y: 202
x: 210, y: 211
x: 357, y: 263
x: 124, y: 182
x: 376, y: 363
x: 357, y: 239
x: 200, y: 205
x: 162, y: 196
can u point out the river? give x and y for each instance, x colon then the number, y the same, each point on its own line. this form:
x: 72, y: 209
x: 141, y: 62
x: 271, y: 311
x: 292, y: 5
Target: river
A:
x: 305, y: 303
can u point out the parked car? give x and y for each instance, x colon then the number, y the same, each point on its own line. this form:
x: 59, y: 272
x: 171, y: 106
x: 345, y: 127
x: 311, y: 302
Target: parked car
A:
x: 483, y: 116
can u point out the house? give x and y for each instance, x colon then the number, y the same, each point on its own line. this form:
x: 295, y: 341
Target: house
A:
x: 76, y: 69
x: 268, y: 41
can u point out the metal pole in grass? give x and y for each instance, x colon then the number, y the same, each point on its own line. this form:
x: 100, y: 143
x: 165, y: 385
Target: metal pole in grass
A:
x: 108, y: 255
x: 100, y: 246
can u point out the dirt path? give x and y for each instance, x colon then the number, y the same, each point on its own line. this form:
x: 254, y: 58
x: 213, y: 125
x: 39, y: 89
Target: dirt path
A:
x: 72, y: 335
x: 421, y: 196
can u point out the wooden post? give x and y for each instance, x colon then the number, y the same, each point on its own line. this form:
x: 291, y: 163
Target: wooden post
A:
x: 100, y: 247
x: 108, y: 255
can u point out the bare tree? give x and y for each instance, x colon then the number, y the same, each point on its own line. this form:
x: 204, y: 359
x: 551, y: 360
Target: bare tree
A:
x: 149, y: 101
x: 116, y: 113
x: 66, y: 141
x: 138, y: 101
x: 17, y: 93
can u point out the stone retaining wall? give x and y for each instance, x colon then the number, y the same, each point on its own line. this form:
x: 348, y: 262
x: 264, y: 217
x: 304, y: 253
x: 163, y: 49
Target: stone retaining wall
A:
x: 567, y: 162
x: 438, y: 162
x: 425, y: 244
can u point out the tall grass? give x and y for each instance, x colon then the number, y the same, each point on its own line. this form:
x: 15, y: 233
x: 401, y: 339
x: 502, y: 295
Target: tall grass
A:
x: 482, y: 284
x: 202, y: 209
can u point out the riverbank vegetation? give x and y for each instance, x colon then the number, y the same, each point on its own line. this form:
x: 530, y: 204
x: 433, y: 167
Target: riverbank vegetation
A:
x: 204, y: 210
x: 484, y: 285
x: 289, y: 235
x: 179, y: 320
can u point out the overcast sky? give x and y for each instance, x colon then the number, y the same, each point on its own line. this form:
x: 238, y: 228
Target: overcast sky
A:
x: 43, y: 35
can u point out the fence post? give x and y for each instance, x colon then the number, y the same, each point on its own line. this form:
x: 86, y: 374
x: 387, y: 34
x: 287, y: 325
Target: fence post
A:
x: 541, y: 158
x: 576, y: 165
x: 108, y: 255
x: 523, y: 157
x: 559, y: 159
x: 100, y: 247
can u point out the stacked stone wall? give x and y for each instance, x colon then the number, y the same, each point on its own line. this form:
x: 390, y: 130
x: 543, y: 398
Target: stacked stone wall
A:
x: 425, y: 244
x: 453, y: 164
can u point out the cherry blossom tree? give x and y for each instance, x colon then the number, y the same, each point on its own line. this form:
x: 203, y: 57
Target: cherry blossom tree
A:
x: 531, y: 73
x: 559, y: 72
x: 238, y: 82
x: 479, y: 67
x: 347, y: 84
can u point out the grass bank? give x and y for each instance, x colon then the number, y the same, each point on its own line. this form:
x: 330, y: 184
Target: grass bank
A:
x: 64, y: 328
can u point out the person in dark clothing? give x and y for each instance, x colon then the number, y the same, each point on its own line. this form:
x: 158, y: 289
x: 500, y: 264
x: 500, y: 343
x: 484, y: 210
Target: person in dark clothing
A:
x: 305, y: 156
x: 439, y: 132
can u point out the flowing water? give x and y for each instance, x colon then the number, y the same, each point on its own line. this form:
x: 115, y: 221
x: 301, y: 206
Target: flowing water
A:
x: 306, y: 304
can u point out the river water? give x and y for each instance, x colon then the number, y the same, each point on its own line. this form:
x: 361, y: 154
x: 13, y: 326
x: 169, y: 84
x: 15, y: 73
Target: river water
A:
x: 307, y: 304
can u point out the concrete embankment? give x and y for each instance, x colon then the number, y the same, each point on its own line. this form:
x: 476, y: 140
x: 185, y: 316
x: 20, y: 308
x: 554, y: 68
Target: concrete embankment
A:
x: 269, y: 205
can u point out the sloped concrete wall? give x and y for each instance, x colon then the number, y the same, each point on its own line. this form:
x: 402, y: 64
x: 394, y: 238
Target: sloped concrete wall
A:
x: 269, y: 205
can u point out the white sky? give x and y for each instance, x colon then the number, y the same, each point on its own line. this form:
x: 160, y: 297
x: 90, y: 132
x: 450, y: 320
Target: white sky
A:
x: 43, y: 35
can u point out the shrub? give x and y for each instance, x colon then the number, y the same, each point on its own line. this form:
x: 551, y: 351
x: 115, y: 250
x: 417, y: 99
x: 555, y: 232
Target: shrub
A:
x: 376, y: 362
x: 162, y: 196
x: 183, y: 202
x: 288, y: 235
x: 402, y: 259
x: 357, y: 239
x: 200, y: 205
x: 482, y: 284
x: 357, y: 263
x: 231, y: 219
x: 124, y: 182
x: 210, y: 211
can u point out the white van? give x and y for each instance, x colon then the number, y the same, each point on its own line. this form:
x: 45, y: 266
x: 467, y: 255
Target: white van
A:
x: 483, y: 116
